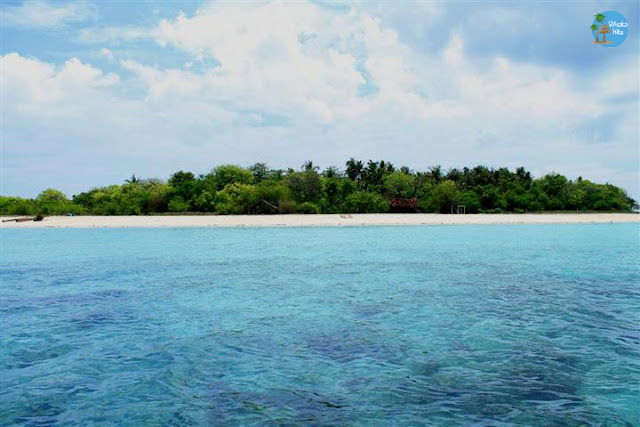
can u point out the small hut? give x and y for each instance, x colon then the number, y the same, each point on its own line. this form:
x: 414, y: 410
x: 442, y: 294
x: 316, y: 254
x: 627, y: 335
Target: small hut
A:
x: 604, y: 30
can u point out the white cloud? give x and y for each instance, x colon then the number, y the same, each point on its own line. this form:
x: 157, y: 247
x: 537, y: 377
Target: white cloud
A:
x: 163, y: 86
x: 31, y: 85
x: 314, y: 61
x: 110, y: 34
x: 454, y: 53
x: 291, y: 64
x: 40, y: 14
x: 107, y: 53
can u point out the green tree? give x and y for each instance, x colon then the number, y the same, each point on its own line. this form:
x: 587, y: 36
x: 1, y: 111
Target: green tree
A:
x: 260, y: 172
x: 576, y: 196
x: 523, y: 177
x: 204, y: 201
x: 471, y: 201
x: 133, y: 199
x: 231, y: 174
x: 555, y: 187
x: 236, y: 198
x: 51, y: 195
x: 445, y: 196
x: 331, y: 190
x: 185, y: 188
x: 132, y: 180
x: 491, y: 197
x: 354, y: 169
x: 52, y: 202
x: 400, y: 185
x: 435, y: 174
x: 159, y: 195
x: 309, y: 166
x: 331, y: 172
x: 268, y: 197
x: 372, y: 176
x: 305, y: 186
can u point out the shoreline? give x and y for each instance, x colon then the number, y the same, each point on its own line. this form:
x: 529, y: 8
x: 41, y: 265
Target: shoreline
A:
x: 322, y: 220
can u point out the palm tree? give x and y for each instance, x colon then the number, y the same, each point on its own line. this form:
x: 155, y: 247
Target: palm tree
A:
x: 436, y: 174
x: 354, y: 169
x: 594, y: 27
x: 523, y: 176
x: 599, y: 19
x: 132, y: 180
x: 374, y: 173
x: 453, y: 175
x: 309, y: 167
x: 331, y: 172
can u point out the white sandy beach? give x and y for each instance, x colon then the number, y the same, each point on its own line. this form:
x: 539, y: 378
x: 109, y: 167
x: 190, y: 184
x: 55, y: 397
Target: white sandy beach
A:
x: 319, y: 220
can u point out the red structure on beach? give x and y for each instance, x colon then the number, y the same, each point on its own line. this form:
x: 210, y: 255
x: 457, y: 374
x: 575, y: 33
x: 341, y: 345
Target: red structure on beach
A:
x: 404, y: 205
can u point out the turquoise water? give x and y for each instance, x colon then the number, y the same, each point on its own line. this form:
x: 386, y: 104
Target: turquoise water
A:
x: 493, y: 325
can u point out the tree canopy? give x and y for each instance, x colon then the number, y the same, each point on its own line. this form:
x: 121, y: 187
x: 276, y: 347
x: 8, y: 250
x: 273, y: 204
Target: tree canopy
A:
x: 359, y: 188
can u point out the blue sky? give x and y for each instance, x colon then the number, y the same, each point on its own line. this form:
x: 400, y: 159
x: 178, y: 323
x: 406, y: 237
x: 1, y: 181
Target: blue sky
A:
x: 93, y: 92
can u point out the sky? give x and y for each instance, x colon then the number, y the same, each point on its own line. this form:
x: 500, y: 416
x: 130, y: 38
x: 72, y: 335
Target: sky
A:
x: 93, y: 92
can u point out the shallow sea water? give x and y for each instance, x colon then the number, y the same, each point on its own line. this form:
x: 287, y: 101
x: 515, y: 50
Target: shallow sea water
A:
x: 440, y: 325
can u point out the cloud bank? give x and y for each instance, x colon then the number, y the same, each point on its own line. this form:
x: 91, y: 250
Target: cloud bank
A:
x: 37, y: 14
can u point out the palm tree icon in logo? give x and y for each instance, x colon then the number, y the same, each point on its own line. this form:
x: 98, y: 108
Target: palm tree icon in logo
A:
x: 594, y: 27
x: 604, y: 29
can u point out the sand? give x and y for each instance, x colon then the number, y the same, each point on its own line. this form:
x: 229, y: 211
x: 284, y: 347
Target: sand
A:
x: 319, y: 220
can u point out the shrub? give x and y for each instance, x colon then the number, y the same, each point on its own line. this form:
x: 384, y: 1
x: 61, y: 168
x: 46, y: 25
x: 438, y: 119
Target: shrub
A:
x: 471, y: 201
x: 177, y: 204
x: 236, y: 198
x: 366, y: 202
x: 286, y: 206
x: 17, y: 206
x: 425, y: 205
x: 307, y: 208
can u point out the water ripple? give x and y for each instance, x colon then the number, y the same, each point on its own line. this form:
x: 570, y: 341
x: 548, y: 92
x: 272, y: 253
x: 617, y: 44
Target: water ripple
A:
x: 533, y: 325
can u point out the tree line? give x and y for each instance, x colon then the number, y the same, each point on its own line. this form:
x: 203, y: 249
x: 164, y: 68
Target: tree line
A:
x: 371, y: 187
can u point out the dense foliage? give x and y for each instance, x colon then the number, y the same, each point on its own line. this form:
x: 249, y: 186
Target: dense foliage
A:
x: 361, y: 188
